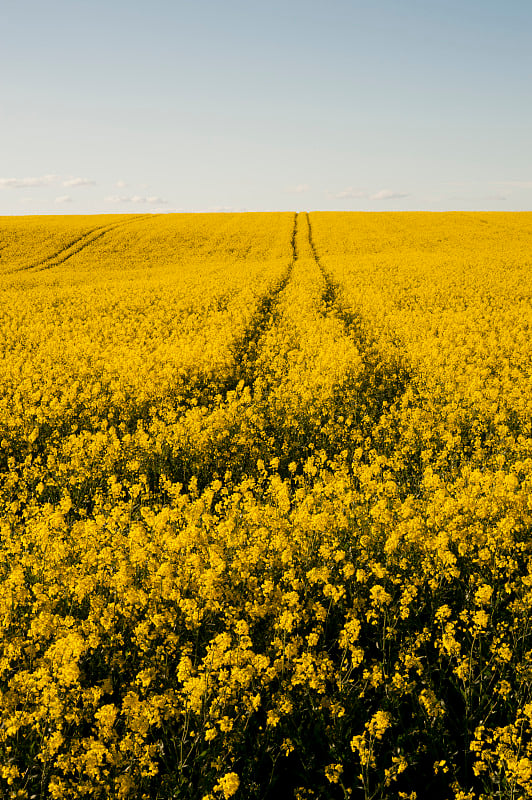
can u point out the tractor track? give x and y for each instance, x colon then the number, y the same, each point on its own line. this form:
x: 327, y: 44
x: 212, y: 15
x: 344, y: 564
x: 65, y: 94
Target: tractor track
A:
x: 245, y: 349
x: 356, y: 328
x: 76, y: 245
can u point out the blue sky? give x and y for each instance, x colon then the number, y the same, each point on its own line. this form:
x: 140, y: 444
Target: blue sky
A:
x: 211, y: 105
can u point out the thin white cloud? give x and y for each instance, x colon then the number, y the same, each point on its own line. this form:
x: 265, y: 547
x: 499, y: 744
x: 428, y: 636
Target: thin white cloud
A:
x: 120, y: 184
x: 74, y: 182
x: 64, y: 198
x: 24, y: 183
x: 350, y: 194
x: 360, y: 194
x: 136, y: 199
x: 301, y: 188
x: 516, y: 184
x: 151, y: 200
x: 387, y: 194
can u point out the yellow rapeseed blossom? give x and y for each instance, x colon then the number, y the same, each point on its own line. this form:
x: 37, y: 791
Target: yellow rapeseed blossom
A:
x: 228, y: 785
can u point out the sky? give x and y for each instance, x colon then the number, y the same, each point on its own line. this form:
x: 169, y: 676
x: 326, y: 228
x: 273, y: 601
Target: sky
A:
x: 236, y: 105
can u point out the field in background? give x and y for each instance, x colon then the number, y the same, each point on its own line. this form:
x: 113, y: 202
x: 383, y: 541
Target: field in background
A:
x: 265, y: 506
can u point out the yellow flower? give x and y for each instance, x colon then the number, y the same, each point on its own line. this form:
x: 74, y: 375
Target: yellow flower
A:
x: 483, y: 594
x: 379, y: 724
x: 333, y: 772
x: 228, y: 785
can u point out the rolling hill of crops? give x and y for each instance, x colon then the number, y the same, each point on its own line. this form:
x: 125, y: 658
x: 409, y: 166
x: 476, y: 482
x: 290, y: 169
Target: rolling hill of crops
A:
x: 266, y: 506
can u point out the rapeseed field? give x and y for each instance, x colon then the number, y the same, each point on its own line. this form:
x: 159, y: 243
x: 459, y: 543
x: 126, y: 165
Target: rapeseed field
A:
x: 266, y: 506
